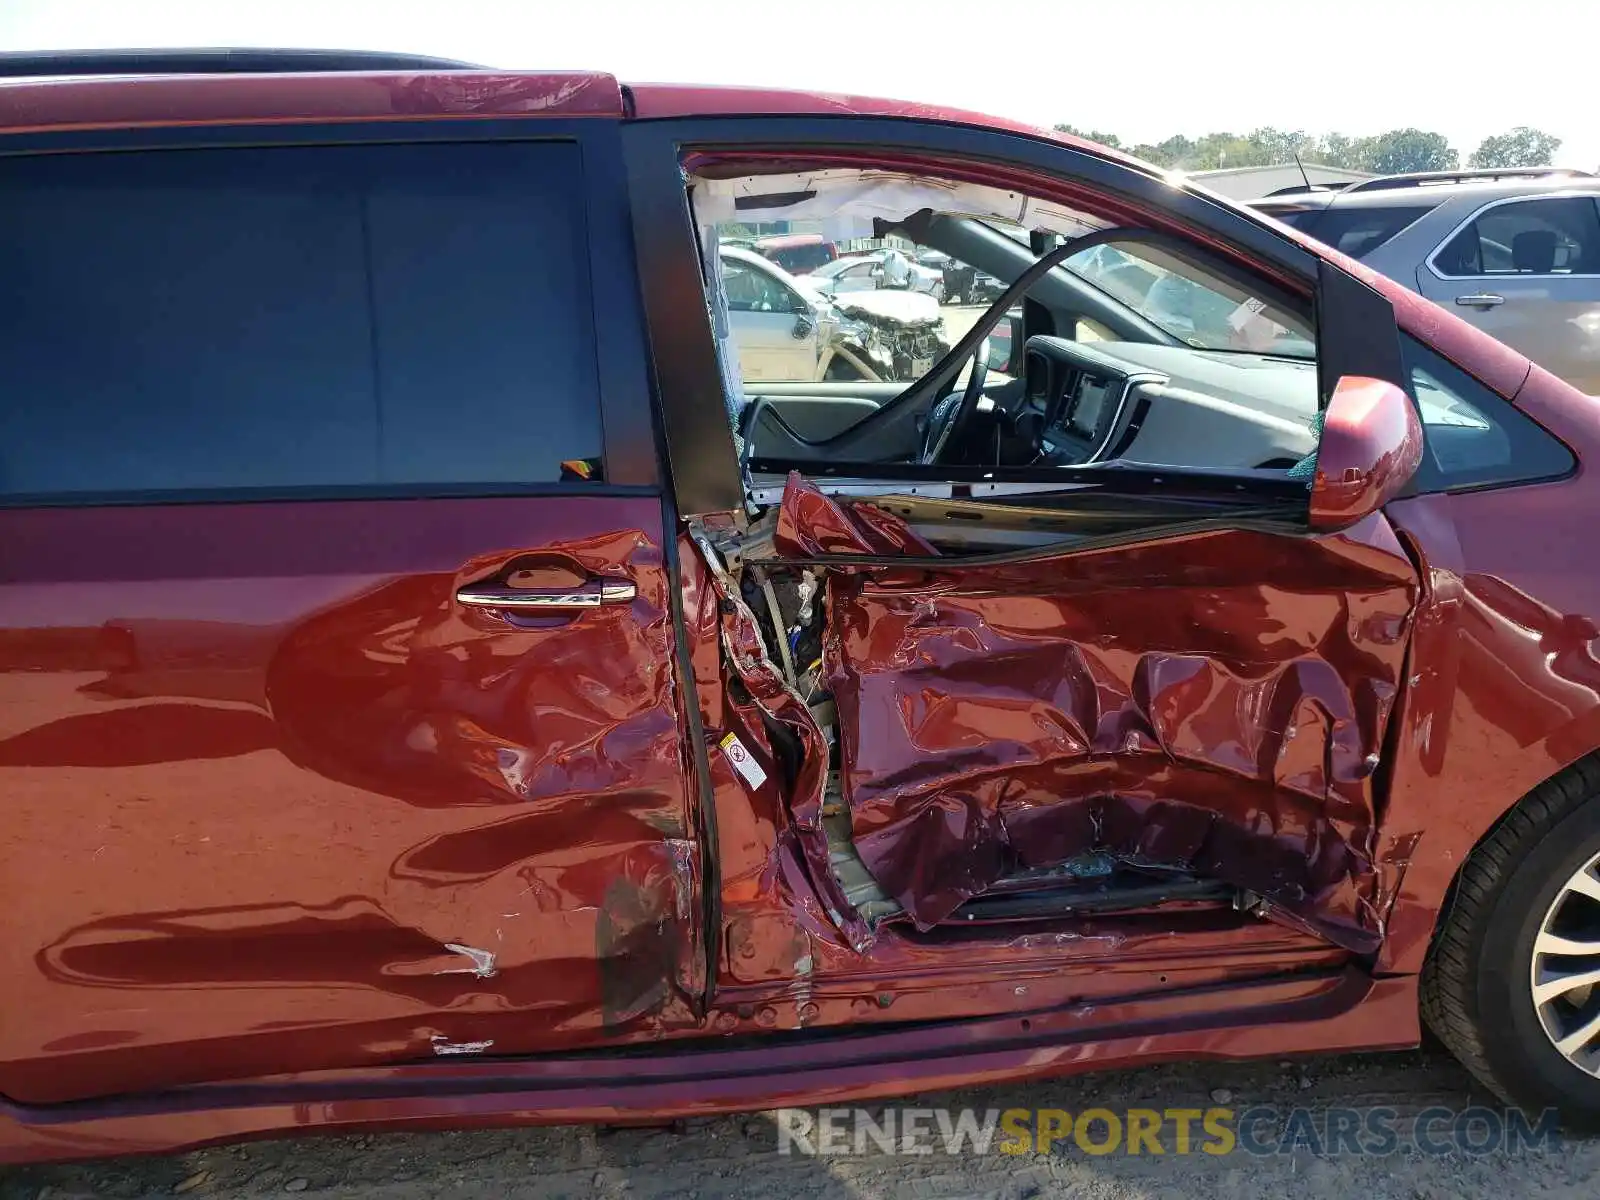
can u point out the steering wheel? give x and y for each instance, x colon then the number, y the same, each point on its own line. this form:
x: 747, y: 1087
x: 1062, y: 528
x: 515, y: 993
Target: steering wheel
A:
x: 951, y: 417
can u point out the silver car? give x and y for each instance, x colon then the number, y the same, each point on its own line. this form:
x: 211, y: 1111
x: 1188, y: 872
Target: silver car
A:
x: 1517, y: 253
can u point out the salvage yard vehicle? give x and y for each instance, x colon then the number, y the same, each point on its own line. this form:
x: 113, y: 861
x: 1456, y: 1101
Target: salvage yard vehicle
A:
x: 906, y: 326
x: 1516, y: 251
x: 865, y: 273
x: 781, y: 331
x: 440, y: 689
x: 797, y: 253
x: 785, y: 330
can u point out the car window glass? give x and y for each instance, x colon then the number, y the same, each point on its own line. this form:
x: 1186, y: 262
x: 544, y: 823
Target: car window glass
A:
x: 881, y: 309
x: 1552, y: 235
x: 1196, y: 360
x: 1300, y: 218
x: 276, y: 319
x: 1192, y: 302
x: 752, y: 290
x: 1474, y: 437
x: 797, y: 260
x: 1360, y: 231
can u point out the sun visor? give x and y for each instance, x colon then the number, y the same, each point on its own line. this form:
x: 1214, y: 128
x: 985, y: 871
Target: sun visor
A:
x: 846, y: 202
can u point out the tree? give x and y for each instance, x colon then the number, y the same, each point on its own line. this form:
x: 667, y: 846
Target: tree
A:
x: 1402, y: 150
x: 1110, y: 140
x: 1398, y: 150
x: 1522, y: 147
x: 1169, y: 153
x: 1280, y: 146
x: 1337, y: 150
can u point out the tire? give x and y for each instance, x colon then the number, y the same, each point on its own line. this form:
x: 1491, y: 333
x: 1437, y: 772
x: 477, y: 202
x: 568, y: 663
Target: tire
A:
x: 1476, y: 987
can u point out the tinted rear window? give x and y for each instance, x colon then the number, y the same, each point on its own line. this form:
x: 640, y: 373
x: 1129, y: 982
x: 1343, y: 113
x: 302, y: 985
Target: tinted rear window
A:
x: 798, y: 260
x: 1359, y: 231
x: 278, y: 319
x: 1300, y: 218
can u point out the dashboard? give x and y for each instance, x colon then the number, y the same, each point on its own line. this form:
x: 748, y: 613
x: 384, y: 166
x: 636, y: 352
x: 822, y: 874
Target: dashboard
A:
x: 1079, y: 402
x: 1170, y: 405
x: 1080, y: 393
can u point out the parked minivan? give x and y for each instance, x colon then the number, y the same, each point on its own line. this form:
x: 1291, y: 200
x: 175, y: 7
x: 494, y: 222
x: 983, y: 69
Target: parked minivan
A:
x: 438, y: 687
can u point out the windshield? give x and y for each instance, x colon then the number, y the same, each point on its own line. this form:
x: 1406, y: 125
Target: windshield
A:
x: 799, y: 259
x: 1193, y: 303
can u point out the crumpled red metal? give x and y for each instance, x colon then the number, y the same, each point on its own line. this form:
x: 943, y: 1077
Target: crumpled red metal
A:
x: 1212, y: 701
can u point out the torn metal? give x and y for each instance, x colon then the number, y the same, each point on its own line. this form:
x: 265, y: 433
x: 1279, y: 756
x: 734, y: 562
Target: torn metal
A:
x: 1199, y: 714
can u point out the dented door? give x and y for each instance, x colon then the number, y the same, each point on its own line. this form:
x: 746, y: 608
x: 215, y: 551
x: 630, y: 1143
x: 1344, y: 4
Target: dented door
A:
x: 1216, y: 702
x: 277, y: 800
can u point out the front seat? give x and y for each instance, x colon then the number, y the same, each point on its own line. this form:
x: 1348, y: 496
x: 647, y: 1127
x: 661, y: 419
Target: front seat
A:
x: 1533, y: 251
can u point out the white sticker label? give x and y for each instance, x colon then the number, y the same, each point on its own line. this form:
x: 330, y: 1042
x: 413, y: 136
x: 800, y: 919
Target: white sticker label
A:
x: 749, y: 769
x: 1246, y: 313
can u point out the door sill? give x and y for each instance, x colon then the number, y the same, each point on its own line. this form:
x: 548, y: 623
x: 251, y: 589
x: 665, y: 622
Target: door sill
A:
x: 1337, y: 1011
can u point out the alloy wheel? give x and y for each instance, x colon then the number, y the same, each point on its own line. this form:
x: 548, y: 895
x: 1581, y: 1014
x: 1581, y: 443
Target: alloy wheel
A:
x: 1566, y: 969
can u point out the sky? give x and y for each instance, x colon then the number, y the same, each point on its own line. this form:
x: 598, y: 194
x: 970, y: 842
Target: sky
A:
x: 1144, y: 69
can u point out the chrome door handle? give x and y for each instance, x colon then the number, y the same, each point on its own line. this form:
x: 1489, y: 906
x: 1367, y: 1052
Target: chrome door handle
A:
x: 1481, y: 300
x: 546, y: 599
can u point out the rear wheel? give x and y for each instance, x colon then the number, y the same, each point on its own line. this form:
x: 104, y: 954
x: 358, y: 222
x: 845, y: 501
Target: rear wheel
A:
x: 1512, y: 981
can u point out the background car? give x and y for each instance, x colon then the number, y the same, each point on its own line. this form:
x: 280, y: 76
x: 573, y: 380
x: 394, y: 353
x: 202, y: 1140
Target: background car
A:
x: 780, y: 332
x: 785, y: 329
x: 1515, y: 252
x: 864, y: 273
x: 797, y: 253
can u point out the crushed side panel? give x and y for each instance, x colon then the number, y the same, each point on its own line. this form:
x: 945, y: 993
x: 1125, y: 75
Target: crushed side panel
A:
x: 1212, y: 701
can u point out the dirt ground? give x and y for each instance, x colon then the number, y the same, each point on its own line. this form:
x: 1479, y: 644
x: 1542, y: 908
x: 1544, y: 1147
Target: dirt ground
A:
x: 736, y: 1157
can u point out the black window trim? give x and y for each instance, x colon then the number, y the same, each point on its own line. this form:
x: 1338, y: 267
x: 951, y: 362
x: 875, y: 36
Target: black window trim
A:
x: 630, y: 444
x: 1431, y: 262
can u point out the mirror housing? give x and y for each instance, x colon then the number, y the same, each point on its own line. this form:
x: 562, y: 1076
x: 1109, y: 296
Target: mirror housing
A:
x: 1371, y: 446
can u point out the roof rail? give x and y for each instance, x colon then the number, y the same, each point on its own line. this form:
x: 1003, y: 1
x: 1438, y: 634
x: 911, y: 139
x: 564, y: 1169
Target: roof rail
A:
x: 222, y: 61
x: 1307, y: 189
x: 1422, y: 178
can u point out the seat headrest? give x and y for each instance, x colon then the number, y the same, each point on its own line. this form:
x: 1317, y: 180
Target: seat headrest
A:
x: 1534, y: 250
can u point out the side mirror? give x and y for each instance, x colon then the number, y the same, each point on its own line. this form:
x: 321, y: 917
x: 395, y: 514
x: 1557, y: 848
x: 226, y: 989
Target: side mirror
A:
x: 1003, y: 352
x: 803, y: 325
x: 1370, y: 448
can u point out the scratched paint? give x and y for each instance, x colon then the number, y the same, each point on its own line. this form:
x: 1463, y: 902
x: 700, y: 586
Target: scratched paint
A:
x: 480, y: 962
x: 445, y: 1047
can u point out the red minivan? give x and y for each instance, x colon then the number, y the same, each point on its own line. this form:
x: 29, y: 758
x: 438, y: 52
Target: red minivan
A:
x: 796, y: 253
x: 436, y: 688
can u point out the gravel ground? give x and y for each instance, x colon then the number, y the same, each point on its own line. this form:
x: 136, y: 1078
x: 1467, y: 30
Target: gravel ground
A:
x: 737, y: 1157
